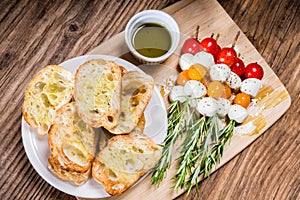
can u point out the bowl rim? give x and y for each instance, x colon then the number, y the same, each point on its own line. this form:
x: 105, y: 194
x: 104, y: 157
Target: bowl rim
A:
x: 175, y: 33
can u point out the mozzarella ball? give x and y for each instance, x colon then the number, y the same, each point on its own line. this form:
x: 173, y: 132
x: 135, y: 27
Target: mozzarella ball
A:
x: 194, y: 89
x: 251, y: 86
x: 185, y: 61
x: 177, y: 94
x: 203, y: 58
x: 237, y: 113
x: 223, y: 107
x: 234, y: 81
x: 207, y: 106
x: 219, y: 72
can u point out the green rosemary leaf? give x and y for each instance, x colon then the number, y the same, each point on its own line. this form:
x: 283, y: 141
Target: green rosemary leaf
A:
x: 176, y: 123
x: 190, y: 146
x: 211, y: 153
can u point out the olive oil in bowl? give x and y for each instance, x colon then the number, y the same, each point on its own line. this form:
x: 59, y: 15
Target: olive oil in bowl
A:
x: 151, y: 40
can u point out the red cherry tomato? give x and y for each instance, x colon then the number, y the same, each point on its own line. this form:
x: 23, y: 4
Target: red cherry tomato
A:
x: 210, y: 45
x: 191, y: 46
x: 254, y: 70
x: 218, y: 49
x: 226, y: 56
x: 238, y: 67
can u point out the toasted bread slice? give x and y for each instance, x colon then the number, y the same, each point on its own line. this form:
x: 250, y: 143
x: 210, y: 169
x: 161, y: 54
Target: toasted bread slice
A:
x: 105, y: 135
x: 72, y: 142
x: 50, y: 89
x: 97, y: 92
x: 137, y: 88
x: 124, y: 160
x: 66, y: 175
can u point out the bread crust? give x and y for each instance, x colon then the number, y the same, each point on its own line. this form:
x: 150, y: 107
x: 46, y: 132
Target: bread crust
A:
x: 137, y: 89
x: 52, y: 81
x: 97, y: 92
x: 66, y: 175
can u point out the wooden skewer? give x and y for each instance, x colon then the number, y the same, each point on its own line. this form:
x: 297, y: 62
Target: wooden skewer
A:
x: 197, y: 32
x: 217, y: 37
x: 236, y: 38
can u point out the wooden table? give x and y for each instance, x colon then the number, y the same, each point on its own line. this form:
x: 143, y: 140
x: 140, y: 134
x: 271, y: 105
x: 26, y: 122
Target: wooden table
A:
x: 36, y: 33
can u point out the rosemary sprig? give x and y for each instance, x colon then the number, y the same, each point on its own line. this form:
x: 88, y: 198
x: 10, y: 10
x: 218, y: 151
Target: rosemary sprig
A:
x: 176, y: 126
x: 210, y: 157
x: 202, y: 147
x: 190, y: 146
x: 201, y: 136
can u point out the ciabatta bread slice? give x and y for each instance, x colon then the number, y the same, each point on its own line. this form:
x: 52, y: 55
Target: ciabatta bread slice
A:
x: 124, y: 160
x: 72, y: 142
x: 137, y: 88
x: 51, y: 88
x: 97, y: 92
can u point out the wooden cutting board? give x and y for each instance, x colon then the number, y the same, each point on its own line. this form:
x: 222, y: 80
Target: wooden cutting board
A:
x: 273, y: 99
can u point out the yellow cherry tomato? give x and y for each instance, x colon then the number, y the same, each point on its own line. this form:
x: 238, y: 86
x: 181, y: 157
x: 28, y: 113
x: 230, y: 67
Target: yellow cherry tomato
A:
x: 227, y: 91
x: 197, y: 72
x: 216, y: 89
x: 204, y: 82
x: 242, y: 99
x: 183, y: 77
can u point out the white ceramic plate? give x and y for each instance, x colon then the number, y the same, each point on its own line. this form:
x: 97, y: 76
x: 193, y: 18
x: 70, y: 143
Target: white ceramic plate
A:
x: 37, y: 148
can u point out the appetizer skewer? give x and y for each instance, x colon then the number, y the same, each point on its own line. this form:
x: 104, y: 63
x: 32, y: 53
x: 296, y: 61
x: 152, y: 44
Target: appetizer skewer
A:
x: 211, y: 97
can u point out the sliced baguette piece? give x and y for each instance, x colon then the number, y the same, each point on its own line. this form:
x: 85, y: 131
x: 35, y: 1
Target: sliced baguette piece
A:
x: 72, y: 142
x: 50, y: 89
x: 97, y: 92
x: 124, y: 160
x: 137, y: 88
x: 66, y: 175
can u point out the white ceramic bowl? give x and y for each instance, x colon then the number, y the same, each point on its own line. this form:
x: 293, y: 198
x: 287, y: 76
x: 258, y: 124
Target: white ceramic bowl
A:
x: 152, y: 16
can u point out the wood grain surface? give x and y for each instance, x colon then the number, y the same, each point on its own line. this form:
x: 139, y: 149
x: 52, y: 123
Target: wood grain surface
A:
x: 36, y: 33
